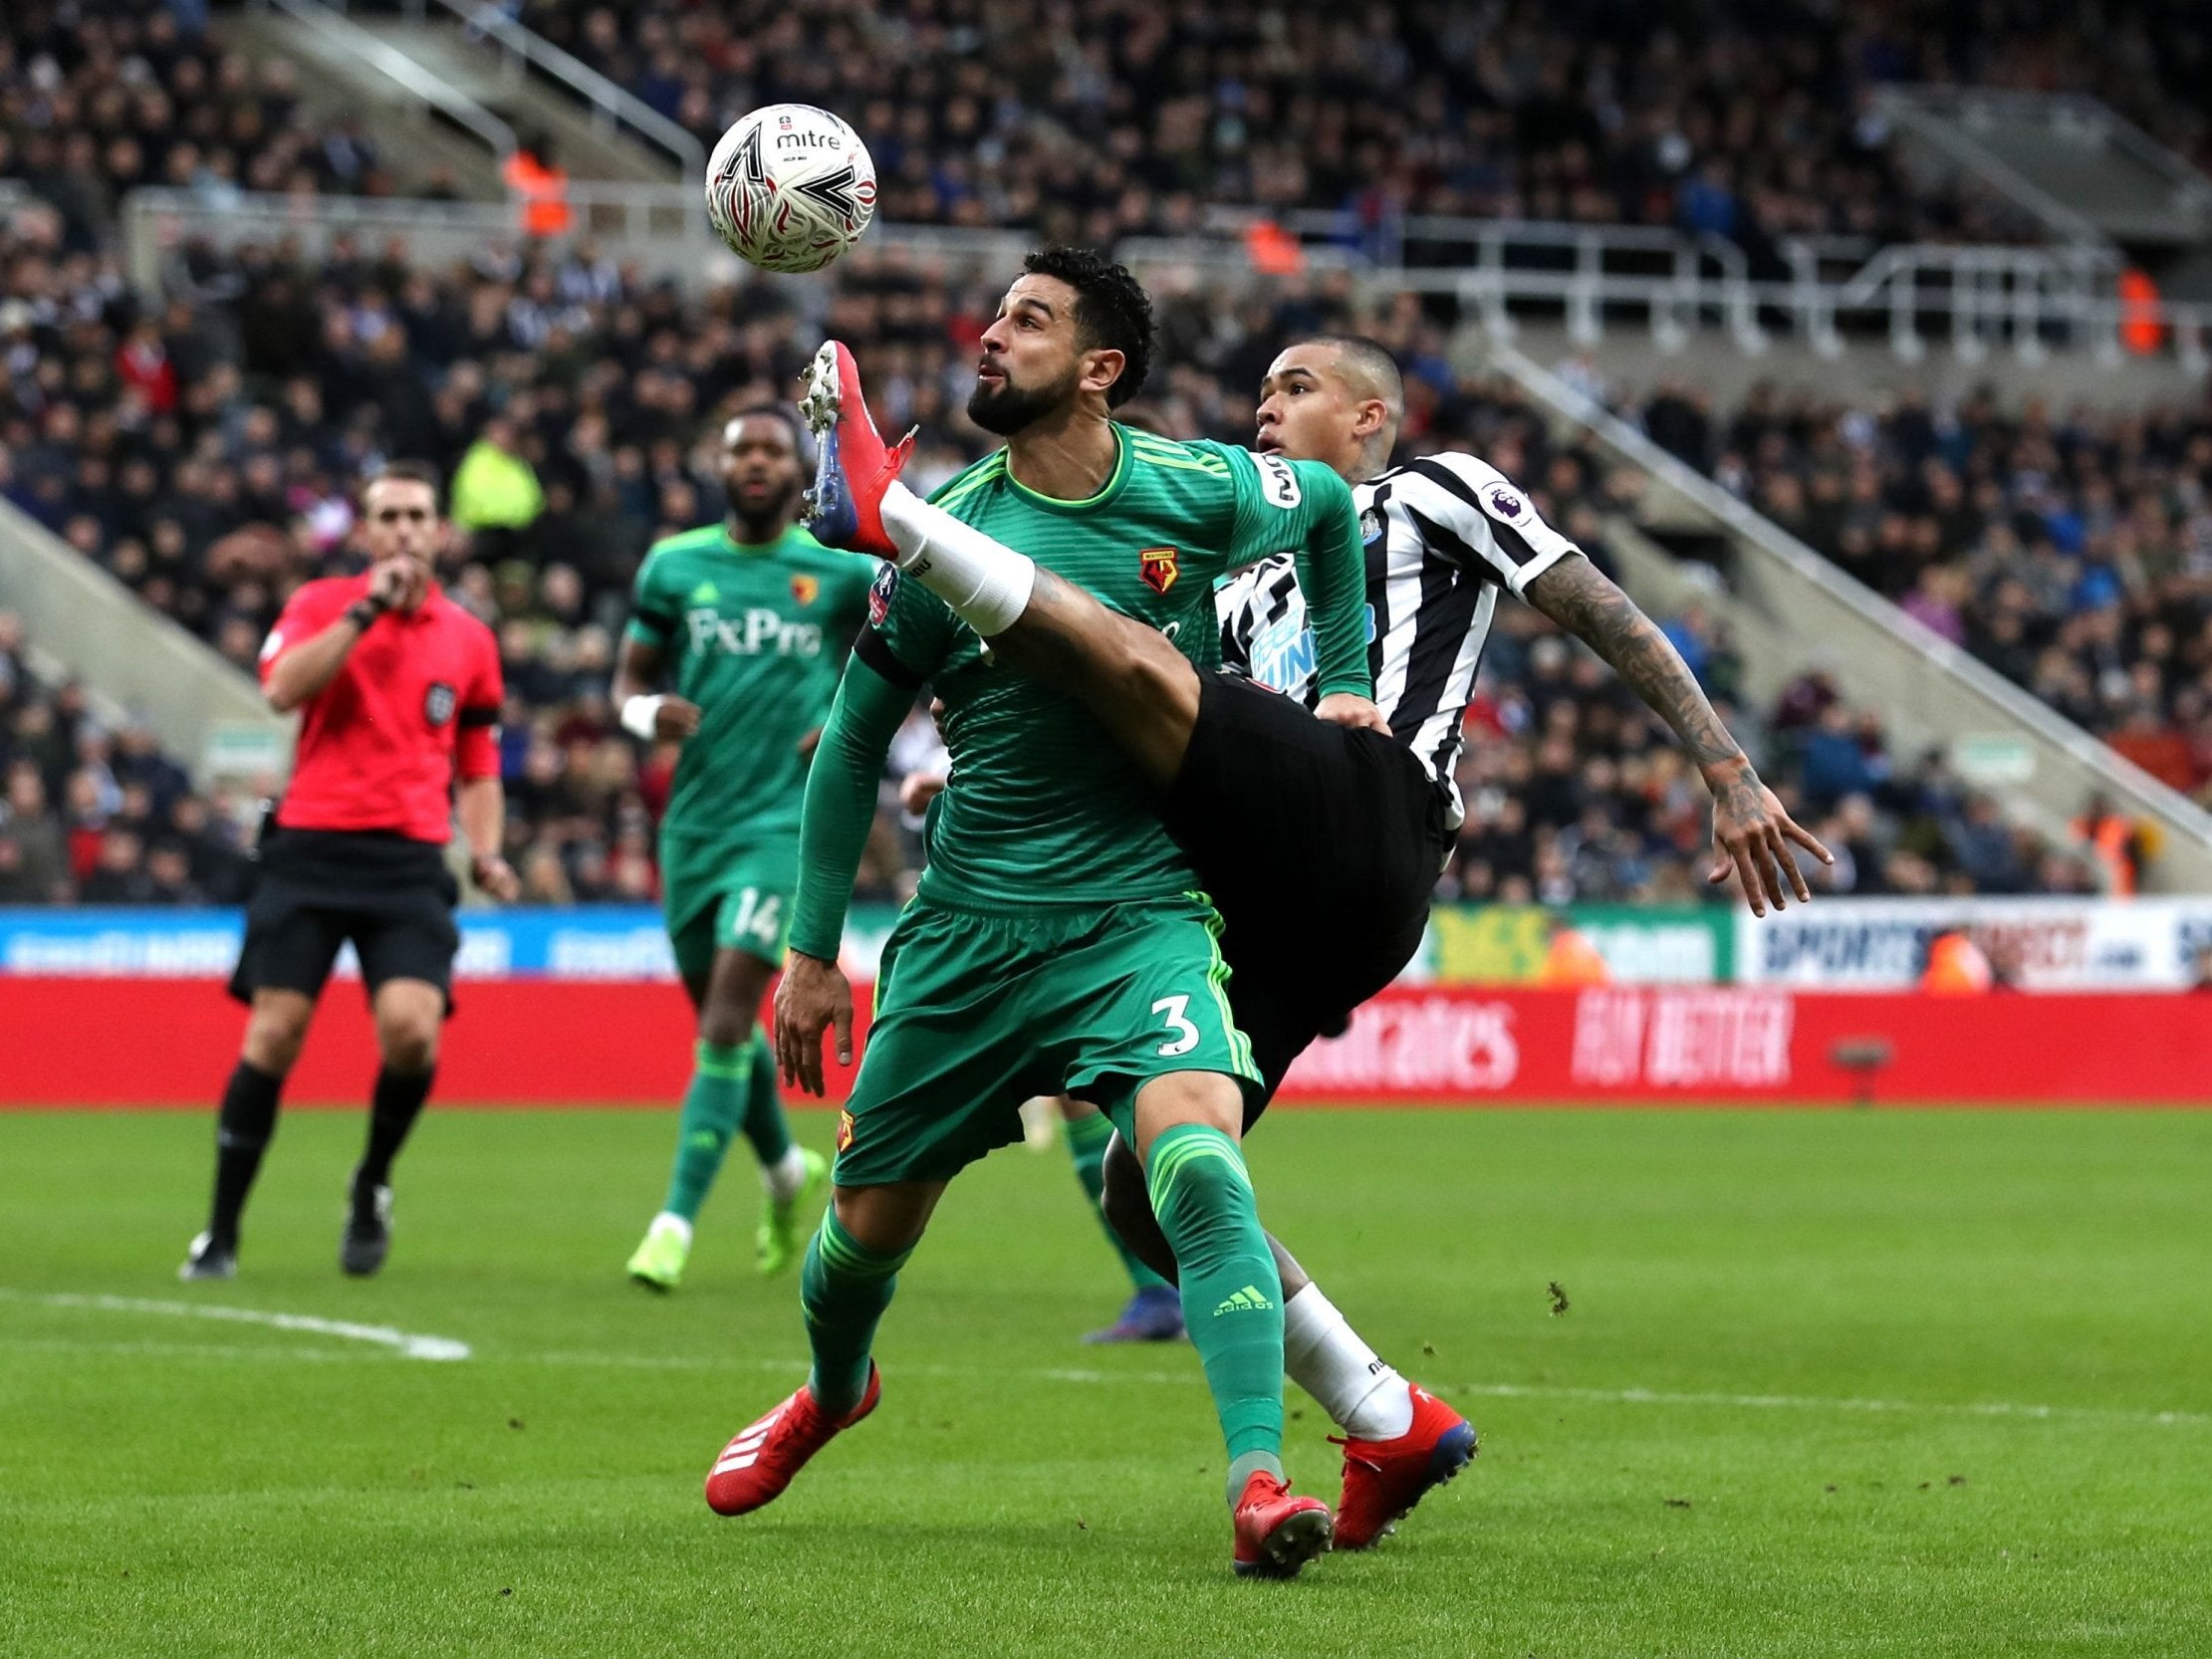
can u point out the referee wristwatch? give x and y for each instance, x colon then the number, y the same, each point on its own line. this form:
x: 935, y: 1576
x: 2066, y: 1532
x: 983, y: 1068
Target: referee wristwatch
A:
x: 364, y: 611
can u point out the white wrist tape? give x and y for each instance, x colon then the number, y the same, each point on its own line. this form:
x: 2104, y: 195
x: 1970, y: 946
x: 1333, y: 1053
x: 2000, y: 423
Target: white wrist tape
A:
x: 640, y: 713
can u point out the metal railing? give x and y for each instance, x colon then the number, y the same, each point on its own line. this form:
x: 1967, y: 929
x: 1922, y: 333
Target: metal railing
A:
x: 2032, y: 302
x: 611, y: 105
x: 351, y: 38
x: 2065, y: 115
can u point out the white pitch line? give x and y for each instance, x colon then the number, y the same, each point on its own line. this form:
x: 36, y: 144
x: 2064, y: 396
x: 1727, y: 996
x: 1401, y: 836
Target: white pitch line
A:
x: 409, y: 1345
x: 1489, y: 1390
x: 446, y: 1347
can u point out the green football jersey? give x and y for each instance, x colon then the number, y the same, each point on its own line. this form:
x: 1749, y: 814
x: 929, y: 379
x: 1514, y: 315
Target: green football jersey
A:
x: 1043, y: 806
x: 757, y: 637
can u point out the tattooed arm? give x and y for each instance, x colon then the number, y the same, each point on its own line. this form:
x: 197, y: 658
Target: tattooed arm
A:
x: 1751, y: 831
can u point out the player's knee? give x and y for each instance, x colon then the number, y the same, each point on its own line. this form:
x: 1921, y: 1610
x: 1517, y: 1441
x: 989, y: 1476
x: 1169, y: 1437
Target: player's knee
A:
x: 724, y: 1025
x: 1196, y: 1191
x: 408, y: 1040
x: 273, y: 1038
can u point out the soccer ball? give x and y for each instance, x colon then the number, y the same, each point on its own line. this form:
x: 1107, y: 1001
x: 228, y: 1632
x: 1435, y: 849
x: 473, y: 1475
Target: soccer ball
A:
x: 789, y: 188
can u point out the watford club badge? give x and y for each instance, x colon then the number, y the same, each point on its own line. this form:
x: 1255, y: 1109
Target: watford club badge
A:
x: 804, y: 588
x: 1159, y: 567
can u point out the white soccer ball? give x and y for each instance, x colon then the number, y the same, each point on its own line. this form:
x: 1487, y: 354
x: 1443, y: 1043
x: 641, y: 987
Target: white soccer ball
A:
x: 790, y: 187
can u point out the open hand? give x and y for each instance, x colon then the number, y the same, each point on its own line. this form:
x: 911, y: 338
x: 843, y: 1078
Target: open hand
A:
x: 812, y: 997
x: 1752, y: 836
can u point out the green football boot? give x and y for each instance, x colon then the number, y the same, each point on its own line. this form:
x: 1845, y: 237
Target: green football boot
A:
x: 658, y: 1264
x: 779, y: 1240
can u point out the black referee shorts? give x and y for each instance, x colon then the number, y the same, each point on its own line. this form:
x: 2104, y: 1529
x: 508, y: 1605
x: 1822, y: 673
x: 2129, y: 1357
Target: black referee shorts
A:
x: 1318, y: 844
x: 392, y: 897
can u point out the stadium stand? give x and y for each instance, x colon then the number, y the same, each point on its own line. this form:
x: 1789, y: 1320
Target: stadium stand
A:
x: 98, y: 815
x: 96, y: 99
x: 202, y: 446
x: 2072, y: 551
x: 1087, y: 123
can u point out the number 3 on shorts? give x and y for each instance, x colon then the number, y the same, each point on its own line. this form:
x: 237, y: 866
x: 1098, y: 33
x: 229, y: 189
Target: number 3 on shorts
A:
x: 1186, y: 1033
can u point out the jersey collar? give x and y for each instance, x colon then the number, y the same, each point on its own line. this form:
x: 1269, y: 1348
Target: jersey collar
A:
x: 1089, y: 504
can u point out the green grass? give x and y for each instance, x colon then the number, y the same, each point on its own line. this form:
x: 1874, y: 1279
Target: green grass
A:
x: 174, y: 1485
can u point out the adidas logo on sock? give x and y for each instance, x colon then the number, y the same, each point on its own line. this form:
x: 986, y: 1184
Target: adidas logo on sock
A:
x: 1247, y: 1301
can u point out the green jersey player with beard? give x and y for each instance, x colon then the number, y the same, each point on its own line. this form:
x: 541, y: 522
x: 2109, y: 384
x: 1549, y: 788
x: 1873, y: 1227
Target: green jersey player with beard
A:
x: 749, y: 622
x: 1058, y: 942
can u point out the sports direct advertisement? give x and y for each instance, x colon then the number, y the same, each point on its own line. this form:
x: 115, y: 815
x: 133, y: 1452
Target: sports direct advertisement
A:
x: 2052, y: 944
x: 579, y: 1007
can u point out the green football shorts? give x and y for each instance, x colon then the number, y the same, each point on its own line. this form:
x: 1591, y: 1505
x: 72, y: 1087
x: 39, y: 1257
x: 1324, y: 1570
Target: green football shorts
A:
x: 729, y: 900
x: 977, y: 1012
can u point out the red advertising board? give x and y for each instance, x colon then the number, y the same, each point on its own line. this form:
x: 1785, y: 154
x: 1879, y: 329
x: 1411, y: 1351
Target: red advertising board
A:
x: 524, y: 1042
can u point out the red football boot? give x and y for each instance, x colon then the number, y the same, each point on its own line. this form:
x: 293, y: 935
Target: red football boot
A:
x: 1385, y: 1479
x: 853, y: 464
x: 1277, y: 1532
x: 760, y: 1460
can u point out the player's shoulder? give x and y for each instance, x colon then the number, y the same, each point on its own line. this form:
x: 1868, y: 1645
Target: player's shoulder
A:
x: 801, y: 550
x: 1199, y: 455
x: 332, y: 592
x: 463, y: 621
x: 1470, y: 477
x: 705, y: 538
x: 969, y: 481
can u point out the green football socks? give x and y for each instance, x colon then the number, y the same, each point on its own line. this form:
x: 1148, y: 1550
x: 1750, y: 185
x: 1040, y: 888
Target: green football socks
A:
x: 733, y: 1088
x: 843, y: 1289
x: 765, y: 1124
x: 1087, y: 1139
x: 713, y: 1108
x: 1232, y: 1294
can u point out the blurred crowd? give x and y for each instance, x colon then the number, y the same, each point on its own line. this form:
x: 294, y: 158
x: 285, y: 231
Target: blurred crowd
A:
x: 100, y: 97
x: 203, y: 448
x: 1090, y: 122
x: 2070, y: 552
x: 98, y: 815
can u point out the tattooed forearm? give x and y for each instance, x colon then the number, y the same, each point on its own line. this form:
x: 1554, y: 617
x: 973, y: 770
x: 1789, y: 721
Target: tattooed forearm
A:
x: 1576, y: 595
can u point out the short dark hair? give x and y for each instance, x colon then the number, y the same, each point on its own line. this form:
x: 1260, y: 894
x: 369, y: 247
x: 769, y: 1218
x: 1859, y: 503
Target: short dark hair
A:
x: 407, y: 472
x: 773, y: 412
x: 1370, y: 358
x: 1111, y: 310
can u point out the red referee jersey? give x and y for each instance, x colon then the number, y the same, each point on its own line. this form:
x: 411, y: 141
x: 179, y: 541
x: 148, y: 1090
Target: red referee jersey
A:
x: 415, y: 703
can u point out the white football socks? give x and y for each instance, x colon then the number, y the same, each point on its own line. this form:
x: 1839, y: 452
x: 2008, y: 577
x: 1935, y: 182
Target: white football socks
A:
x: 1325, y: 1357
x: 785, y: 1176
x: 669, y: 1222
x: 986, y: 583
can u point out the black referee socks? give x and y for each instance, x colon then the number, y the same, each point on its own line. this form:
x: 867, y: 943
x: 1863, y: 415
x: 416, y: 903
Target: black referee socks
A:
x: 242, y: 1130
x: 394, y: 1107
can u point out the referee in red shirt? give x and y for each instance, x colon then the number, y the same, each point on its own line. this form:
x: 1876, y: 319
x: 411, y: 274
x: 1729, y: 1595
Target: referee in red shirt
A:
x: 399, y: 689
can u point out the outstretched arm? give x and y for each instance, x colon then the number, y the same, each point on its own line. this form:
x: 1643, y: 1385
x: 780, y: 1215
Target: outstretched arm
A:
x: 833, y: 833
x: 1751, y: 831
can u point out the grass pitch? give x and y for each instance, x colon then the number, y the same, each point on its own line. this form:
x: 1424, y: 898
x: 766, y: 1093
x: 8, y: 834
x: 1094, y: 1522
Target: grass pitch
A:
x: 1865, y: 1384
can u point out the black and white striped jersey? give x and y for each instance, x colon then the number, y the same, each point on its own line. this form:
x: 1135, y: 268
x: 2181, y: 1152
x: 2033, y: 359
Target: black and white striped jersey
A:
x: 1443, y: 534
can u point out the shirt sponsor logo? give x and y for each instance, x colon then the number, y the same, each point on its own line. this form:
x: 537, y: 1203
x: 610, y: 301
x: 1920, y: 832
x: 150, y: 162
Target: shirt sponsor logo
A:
x: 439, y: 702
x: 1280, y: 481
x: 1159, y: 567
x: 845, y: 1132
x: 879, y: 593
x: 759, y: 632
